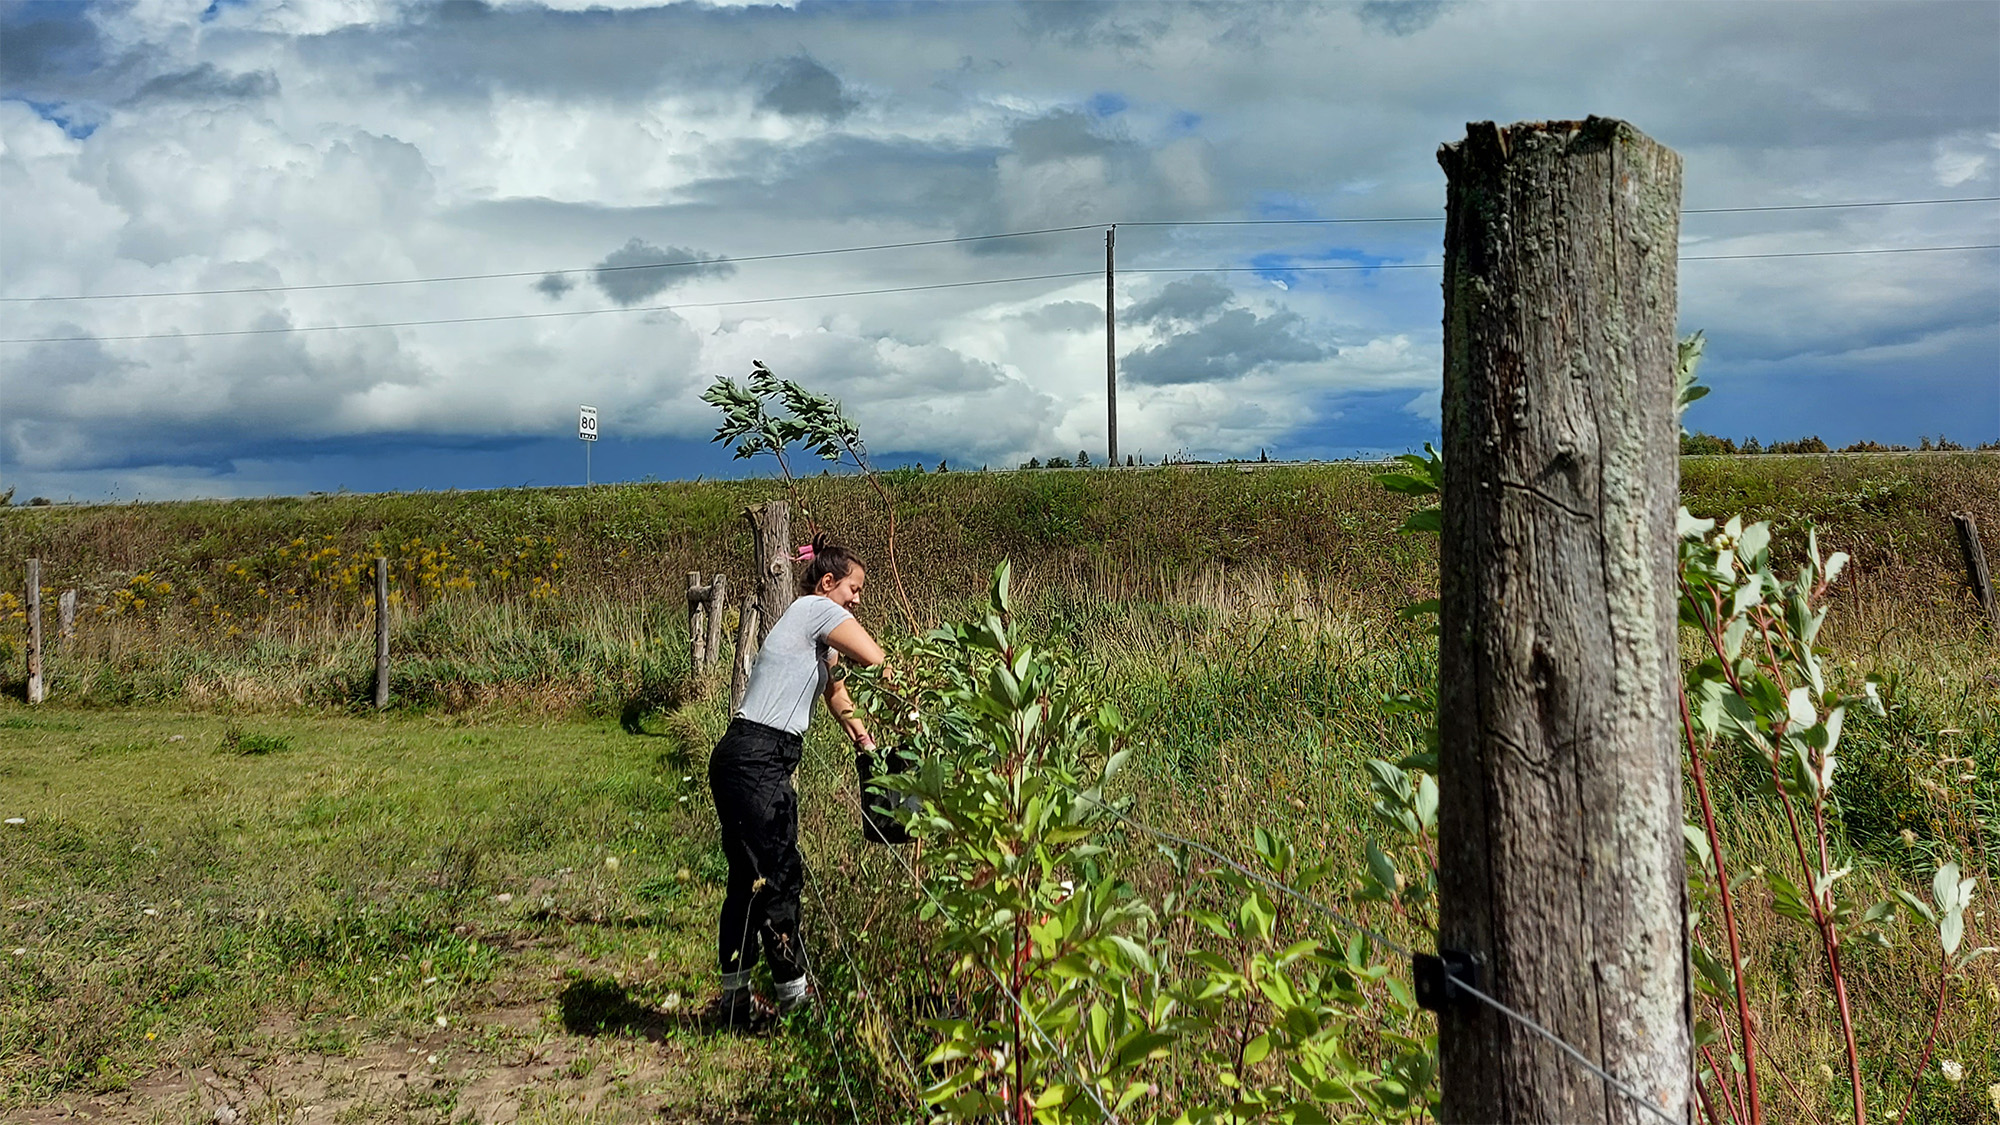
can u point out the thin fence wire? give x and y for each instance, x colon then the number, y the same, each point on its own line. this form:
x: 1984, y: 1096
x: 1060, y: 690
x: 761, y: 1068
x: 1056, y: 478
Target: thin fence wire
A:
x: 861, y: 984
x: 1377, y: 936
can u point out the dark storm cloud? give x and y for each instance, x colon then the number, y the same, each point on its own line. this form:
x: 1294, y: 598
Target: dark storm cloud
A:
x: 554, y: 285
x: 1400, y: 17
x: 1188, y: 299
x: 841, y: 176
x: 801, y: 87
x: 1232, y: 345
x: 43, y: 44
x: 1061, y: 134
x: 1065, y: 316
x: 207, y: 83
x: 625, y: 278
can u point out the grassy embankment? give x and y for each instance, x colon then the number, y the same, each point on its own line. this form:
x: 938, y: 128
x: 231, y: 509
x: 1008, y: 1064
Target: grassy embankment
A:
x: 1250, y: 612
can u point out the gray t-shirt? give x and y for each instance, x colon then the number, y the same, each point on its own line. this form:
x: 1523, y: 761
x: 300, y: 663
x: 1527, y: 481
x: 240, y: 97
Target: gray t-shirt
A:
x: 792, y: 668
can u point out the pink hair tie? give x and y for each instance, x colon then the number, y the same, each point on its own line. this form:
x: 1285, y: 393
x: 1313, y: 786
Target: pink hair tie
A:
x: 805, y: 554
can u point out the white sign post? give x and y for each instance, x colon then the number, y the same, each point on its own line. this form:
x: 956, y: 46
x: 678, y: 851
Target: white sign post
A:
x: 586, y: 431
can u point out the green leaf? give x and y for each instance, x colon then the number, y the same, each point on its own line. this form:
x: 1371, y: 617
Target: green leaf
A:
x: 1257, y: 1049
x: 1424, y: 521
x: 1944, y: 886
x: 1381, y: 868
x: 1714, y: 970
x: 1786, y: 899
x: 1919, y: 905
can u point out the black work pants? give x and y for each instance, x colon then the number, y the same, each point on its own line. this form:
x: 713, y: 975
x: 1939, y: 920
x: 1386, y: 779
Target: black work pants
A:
x: 750, y: 774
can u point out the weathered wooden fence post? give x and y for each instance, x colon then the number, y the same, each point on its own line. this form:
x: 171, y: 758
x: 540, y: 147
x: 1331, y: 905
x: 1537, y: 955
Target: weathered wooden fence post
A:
x: 1560, y: 866
x: 746, y: 651
x: 66, y: 617
x: 1976, y: 574
x: 697, y: 622
x: 717, y: 601
x: 381, y: 633
x: 37, y: 687
x: 771, y: 536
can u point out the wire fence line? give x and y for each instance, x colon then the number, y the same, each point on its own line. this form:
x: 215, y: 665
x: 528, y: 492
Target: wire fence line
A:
x: 1027, y: 1017
x: 862, y: 986
x: 1341, y: 919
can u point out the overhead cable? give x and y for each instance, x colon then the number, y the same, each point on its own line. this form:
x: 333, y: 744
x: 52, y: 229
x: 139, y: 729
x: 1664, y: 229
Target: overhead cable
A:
x: 697, y: 263
x: 689, y: 263
x: 551, y: 315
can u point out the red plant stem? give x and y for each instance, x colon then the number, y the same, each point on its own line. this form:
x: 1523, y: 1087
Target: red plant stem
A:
x: 1930, y: 1041
x: 1707, y: 1106
x: 1728, y: 913
x: 1721, y: 1083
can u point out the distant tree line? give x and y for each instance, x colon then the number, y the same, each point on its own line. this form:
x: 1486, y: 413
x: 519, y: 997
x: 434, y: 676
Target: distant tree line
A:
x: 1699, y: 444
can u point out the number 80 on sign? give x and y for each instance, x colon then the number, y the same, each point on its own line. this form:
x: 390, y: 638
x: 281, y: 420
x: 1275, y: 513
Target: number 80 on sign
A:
x: 586, y: 423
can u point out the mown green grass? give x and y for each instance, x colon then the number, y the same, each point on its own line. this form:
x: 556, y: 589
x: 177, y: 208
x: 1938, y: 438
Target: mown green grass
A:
x: 174, y: 896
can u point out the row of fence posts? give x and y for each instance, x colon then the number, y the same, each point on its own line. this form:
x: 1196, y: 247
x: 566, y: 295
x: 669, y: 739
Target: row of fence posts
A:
x: 707, y: 602
x: 761, y: 606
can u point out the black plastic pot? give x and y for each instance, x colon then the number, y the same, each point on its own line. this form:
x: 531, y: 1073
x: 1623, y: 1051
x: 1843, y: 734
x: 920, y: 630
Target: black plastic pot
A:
x: 879, y: 804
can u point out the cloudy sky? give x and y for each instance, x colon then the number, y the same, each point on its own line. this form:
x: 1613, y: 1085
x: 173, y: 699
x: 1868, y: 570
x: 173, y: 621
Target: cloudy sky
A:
x: 562, y: 153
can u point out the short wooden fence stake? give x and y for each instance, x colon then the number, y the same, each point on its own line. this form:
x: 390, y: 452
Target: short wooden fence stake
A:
x: 381, y: 633
x: 1976, y: 574
x: 66, y: 617
x: 746, y: 651
x: 717, y: 599
x: 37, y: 688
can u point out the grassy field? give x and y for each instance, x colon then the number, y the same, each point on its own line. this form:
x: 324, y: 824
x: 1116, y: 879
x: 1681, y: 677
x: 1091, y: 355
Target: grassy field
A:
x: 325, y: 884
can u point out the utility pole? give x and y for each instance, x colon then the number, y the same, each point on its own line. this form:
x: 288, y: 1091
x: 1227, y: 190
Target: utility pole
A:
x: 1560, y: 865
x: 1111, y: 339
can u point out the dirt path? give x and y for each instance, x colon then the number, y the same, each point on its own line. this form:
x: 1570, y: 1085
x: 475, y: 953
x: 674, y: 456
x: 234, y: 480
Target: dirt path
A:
x: 569, y: 1045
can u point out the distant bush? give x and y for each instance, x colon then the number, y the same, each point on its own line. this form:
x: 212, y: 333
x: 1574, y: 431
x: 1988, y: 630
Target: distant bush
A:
x: 1803, y: 445
x: 1699, y: 444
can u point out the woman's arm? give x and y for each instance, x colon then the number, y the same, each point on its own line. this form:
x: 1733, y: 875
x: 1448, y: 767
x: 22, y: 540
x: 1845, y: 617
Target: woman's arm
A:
x: 841, y: 706
x: 852, y: 641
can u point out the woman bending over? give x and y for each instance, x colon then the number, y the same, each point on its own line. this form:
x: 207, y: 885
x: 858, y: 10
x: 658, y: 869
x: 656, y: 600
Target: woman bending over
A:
x: 751, y: 771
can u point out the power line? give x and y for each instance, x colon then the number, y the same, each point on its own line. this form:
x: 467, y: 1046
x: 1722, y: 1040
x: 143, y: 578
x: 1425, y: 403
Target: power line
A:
x: 548, y: 315
x: 1440, y: 218
x: 696, y: 263
x: 1684, y: 258
x: 917, y: 289
x: 685, y: 264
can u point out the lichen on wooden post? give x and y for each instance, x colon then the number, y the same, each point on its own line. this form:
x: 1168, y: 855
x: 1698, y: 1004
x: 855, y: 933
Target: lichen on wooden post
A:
x: 771, y: 539
x: 1560, y: 865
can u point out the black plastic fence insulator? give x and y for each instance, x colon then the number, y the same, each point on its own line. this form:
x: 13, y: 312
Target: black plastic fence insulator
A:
x: 1435, y: 975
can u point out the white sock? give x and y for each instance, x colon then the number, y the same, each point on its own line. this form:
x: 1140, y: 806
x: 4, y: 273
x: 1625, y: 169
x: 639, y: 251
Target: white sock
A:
x: 792, y: 989
x: 736, y: 981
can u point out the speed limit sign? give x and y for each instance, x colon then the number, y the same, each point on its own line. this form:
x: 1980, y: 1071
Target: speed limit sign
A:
x: 586, y: 423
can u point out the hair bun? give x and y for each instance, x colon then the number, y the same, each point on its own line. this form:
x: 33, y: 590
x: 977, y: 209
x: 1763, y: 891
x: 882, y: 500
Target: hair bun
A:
x: 821, y: 542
